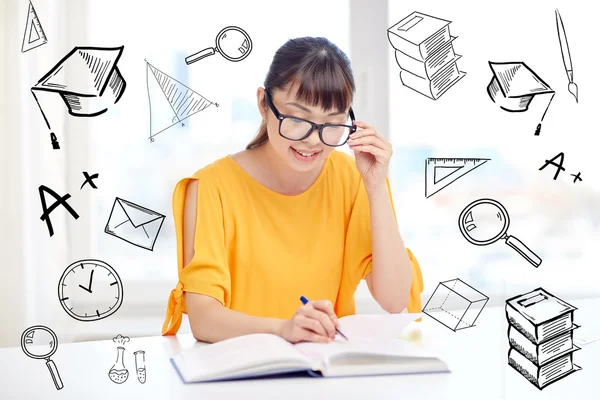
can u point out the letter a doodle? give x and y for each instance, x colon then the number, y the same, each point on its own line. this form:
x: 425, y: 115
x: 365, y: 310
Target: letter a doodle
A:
x: 559, y: 167
x: 59, y: 201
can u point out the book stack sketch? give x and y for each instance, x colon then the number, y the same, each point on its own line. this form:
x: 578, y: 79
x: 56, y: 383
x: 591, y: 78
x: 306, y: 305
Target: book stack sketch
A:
x: 540, y: 335
x: 424, y: 52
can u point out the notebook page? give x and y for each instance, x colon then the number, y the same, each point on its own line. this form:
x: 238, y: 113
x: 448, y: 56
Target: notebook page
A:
x: 238, y: 355
x: 376, y: 326
x: 370, y: 348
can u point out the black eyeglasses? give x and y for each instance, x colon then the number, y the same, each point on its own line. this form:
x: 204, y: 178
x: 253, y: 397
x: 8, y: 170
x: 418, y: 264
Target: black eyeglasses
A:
x: 296, y: 129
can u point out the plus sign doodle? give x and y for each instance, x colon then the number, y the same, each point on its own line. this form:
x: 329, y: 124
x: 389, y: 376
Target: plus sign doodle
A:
x: 559, y: 166
x: 578, y: 176
x: 89, y: 179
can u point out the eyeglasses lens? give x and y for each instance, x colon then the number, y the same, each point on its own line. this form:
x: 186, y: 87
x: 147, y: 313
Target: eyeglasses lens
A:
x: 295, y: 129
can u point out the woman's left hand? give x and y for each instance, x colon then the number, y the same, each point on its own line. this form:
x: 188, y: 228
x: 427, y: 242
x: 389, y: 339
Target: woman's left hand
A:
x: 372, y: 153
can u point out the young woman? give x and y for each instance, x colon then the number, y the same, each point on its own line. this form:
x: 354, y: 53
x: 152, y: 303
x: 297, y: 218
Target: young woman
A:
x: 291, y: 216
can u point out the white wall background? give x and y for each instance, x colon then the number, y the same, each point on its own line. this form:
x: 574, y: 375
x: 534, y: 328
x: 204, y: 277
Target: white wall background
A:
x: 559, y: 219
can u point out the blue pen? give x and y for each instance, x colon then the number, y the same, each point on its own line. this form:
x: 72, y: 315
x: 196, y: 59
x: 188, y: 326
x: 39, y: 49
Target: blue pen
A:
x: 304, y: 300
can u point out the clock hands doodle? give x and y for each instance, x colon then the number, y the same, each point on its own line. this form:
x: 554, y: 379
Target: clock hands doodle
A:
x: 90, y: 290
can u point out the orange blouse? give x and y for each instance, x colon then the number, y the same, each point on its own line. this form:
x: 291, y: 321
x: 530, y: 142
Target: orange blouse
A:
x: 257, y: 251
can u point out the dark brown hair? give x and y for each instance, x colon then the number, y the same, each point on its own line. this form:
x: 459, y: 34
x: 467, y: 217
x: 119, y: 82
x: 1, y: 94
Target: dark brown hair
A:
x: 321, y: 71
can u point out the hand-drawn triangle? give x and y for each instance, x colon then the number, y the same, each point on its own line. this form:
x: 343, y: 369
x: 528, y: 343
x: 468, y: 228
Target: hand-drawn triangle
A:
x: 34, y: 35
x: 441, y: 172
x: 170, y: 101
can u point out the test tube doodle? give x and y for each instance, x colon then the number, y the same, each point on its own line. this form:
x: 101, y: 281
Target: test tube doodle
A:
x: 140, y: 365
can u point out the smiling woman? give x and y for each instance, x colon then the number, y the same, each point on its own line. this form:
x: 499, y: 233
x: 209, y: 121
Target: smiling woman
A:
x: 230, y: 287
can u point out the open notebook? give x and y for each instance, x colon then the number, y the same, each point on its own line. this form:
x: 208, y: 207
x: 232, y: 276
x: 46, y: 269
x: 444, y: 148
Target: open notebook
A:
x: 373, y: 348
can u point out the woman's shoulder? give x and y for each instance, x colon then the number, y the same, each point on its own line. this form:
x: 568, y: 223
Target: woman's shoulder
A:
x: 212, y: 177
x: 214, y: 170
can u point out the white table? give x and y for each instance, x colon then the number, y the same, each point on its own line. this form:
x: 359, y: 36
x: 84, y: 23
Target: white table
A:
x: 477, y: 357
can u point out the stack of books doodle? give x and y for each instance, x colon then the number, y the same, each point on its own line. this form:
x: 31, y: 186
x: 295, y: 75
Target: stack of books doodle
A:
x: 540, y: 336
x: 425, y: 54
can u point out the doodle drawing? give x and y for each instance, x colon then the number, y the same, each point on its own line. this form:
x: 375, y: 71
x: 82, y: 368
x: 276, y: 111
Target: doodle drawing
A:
x: 441, y: 172
x: 134, y: 224
x: 559, y: 167
x: 140, y: 365
x: 424, y: 52
x: 233, y: 43
x: 118, y: 373
x: 566, y: 56
x: 40, y: 342
x: 34, y: 35
x: 87, y: 80
x: 540, y: 336
x: 90, y: 290
x: 170, y: 101
x: 513, y: 86
x: 60, y: 201
x: 89, y: 179
x: 455, y: 304
x: 486, y: 221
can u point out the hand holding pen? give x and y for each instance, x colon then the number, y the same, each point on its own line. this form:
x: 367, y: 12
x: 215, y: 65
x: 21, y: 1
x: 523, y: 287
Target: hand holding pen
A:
x: 314, y: 321
x: 331, y: 313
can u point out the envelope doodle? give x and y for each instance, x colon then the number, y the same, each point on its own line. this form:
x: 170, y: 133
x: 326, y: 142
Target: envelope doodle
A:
x: 134, y: 224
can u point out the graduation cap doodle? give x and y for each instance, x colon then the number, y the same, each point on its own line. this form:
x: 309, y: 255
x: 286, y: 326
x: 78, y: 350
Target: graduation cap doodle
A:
x: 87, y: 80
x: 513, y: 86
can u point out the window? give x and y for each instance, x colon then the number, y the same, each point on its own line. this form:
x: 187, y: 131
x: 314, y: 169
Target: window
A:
x: 555, y: 218
x: 145, y: 173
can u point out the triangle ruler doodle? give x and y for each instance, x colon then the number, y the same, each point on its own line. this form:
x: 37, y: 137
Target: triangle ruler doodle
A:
x: 441, y: 172
x: 34, y: 35
x: 171, y: 102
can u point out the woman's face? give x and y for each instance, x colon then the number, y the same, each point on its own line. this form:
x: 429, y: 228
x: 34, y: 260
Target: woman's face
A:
x: 302, y: 155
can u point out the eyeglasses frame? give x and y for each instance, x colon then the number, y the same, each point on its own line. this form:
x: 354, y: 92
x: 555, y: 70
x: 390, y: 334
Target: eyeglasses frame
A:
x: 314, y: 126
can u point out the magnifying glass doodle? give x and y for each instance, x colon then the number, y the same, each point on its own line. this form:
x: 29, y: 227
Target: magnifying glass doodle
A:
x: 232, y: 42
x: 486, y: 221
x: 40, y: 342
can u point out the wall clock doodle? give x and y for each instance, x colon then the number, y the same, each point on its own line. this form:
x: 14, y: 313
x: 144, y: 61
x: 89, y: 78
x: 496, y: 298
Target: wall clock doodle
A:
x: 90, y: 290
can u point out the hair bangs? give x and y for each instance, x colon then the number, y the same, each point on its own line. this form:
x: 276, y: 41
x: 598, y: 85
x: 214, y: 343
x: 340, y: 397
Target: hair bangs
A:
x: 324, y: 84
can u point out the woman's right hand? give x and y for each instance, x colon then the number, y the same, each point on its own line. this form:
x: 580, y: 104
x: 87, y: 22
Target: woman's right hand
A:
x: 314, y: 321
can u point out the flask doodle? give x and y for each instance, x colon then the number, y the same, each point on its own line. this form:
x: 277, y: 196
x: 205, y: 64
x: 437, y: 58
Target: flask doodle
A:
x: 118, y: 373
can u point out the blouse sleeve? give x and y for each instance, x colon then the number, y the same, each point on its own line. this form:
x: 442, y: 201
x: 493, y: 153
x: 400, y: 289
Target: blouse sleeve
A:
x: 208, y: 272
x: 358, y: 260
